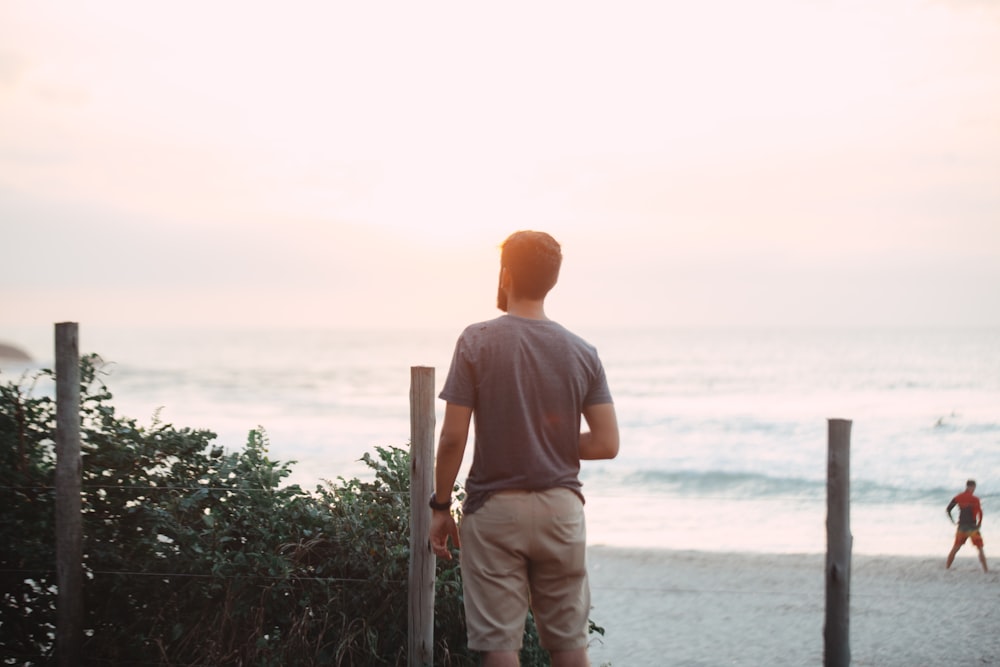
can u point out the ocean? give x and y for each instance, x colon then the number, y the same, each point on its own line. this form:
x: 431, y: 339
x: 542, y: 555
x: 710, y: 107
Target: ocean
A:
x: 723, y: 431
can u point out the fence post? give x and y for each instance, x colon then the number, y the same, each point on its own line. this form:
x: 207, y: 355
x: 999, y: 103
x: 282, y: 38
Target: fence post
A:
x: 422, y: 563
x: 69, y: 520
x: 836, y: 636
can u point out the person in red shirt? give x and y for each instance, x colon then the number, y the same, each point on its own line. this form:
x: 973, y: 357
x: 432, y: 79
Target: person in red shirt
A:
x: 970, y: 519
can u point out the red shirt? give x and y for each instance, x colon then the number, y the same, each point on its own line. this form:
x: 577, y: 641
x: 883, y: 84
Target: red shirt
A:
x: 970, y: 513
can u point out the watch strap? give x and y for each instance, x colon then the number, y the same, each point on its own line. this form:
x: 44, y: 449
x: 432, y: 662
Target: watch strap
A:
x: 439, y: 507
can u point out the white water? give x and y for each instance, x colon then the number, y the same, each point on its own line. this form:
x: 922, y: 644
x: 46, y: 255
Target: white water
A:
x: 724, y: 433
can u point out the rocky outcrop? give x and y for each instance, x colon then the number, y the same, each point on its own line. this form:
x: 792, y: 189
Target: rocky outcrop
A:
x: 13, y: 353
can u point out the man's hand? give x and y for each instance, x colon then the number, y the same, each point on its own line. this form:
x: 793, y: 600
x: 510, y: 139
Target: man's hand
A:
x: 442, y: 527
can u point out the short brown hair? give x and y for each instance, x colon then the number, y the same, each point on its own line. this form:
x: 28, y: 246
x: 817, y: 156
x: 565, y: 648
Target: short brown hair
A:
x: 533, y: 260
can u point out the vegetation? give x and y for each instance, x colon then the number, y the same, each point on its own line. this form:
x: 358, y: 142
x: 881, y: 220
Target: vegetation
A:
x: 198, y: 556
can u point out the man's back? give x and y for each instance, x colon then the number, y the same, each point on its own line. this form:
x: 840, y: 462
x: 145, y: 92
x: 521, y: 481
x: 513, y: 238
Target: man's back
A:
x: 527, y: 382
x: 969, y: 509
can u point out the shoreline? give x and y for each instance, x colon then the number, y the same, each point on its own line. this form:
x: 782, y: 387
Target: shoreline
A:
x: 700, y: 609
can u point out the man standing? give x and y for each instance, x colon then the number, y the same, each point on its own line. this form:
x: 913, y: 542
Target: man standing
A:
x: 970, y: 519
x: 528, y: 381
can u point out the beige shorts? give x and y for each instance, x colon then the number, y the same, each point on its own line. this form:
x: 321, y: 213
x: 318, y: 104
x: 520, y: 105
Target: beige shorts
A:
x: 521, y: 548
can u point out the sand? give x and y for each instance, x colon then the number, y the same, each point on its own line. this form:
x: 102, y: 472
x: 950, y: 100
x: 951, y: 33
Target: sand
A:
x: 694, y: 609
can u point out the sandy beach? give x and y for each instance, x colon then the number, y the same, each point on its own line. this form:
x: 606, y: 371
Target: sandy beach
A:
x: 699, y: 609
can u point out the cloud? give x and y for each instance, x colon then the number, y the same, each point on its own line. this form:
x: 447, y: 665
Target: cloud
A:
x: 71, y: 260
x: 701, y: 162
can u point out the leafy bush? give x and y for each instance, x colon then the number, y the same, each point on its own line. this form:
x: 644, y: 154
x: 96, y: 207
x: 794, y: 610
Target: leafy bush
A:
x: 27, y: 524
x: 198, y: 556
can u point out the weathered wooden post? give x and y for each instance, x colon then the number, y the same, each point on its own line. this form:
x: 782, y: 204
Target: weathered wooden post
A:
x: 836, y: 636
x: 422, y: 563
x: 69, y: 520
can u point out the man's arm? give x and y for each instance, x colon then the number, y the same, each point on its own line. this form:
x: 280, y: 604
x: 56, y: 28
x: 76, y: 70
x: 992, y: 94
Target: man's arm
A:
x: 451, y: 450
x: 601, y: 441
x: 950, y: 507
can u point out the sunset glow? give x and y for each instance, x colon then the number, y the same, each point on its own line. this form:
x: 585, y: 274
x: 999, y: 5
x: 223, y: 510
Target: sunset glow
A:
x: 718, y: 163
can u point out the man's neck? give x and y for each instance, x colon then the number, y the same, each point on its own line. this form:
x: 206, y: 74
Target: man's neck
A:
x: 528, y: 309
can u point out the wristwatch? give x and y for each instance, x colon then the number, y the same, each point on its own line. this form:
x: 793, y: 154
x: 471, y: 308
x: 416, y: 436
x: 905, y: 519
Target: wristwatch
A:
x: 439, y: 507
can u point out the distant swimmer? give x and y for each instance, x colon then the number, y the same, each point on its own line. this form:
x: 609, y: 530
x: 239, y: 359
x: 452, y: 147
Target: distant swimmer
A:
x: 970, y: 520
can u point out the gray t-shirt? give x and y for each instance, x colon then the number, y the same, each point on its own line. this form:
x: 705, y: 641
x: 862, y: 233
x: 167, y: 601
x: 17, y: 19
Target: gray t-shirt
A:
x: 527, y: 382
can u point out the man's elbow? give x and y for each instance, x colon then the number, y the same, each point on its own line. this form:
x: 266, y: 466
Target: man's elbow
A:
x: 450, y: 444
x: 613, y: 447
x: 603, y: 437
x: 607, y: 446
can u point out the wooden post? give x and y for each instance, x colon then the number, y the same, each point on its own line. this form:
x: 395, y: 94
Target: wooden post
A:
x: 422, y: 562
x: 69, y: 520
x: 837, y: 645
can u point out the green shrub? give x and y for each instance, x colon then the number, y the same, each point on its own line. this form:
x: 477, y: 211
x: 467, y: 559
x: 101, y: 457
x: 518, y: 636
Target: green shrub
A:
x: 198, y: 556
x: 27, y: 524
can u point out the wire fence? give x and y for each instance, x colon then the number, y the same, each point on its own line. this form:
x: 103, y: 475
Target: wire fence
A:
x: 327, y: 580
x: 265, y: 581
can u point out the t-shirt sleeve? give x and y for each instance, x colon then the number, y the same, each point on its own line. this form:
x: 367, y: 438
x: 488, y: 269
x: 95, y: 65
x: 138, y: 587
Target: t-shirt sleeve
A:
x: 599, y: 391
x: 460, y: 383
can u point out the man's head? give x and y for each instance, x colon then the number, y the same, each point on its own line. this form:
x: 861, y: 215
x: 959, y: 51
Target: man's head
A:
x: 971, y: 485
x: 532, y: 260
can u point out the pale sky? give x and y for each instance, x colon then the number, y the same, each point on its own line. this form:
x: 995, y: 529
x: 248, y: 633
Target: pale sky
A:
x: 774, y: 163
